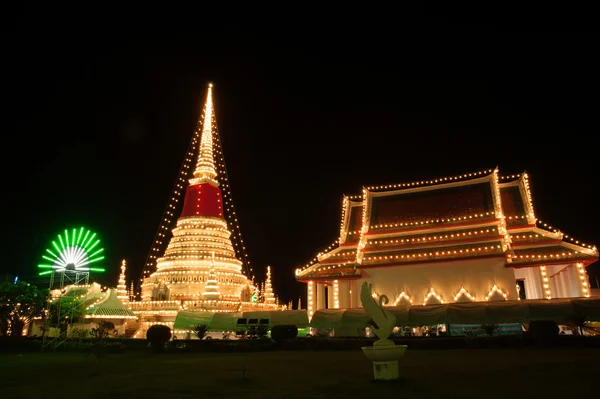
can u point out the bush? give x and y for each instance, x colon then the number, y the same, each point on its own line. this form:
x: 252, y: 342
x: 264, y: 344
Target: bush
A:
x: 262, y: 331
x: 282, y: 332
x: 542, y: 329
x: 200, y: 330
x: 543, y: 332
x: 157, y: 335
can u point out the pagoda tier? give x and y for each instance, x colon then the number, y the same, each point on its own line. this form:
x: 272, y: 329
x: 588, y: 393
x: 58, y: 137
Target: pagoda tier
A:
x: 188, y: 259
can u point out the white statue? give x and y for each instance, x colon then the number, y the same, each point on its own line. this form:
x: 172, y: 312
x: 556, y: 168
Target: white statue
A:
x: 384, y: 320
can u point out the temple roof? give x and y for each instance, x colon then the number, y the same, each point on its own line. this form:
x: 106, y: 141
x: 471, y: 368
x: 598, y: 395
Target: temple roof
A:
x: 535, y: 246
x: 479, y: 214
x: 109, y: 306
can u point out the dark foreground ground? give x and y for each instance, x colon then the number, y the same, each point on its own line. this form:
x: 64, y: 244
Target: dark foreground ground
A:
x: 462, y: 373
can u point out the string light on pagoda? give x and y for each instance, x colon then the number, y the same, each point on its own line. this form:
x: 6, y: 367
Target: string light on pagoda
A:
x: 495, y: 290
x: 269, y: 297
x: 583, y: 280
x: 166, y: 224
x: 232, y: 218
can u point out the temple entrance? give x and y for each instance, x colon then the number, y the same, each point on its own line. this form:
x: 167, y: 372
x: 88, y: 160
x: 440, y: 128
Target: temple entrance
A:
x: 521, y: 289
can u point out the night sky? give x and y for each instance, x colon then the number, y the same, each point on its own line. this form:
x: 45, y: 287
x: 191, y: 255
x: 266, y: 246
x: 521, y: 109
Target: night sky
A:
x: 96, y: 126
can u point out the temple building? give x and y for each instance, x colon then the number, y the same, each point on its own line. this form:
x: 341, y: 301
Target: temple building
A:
x: 469, y: 238
x: 199, y: 270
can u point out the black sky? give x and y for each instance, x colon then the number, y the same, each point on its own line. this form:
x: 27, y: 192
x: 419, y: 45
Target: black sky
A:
x: 97, y: 121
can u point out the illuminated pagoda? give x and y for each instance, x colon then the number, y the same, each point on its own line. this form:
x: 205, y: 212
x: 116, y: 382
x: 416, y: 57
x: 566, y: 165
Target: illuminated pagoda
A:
x: 199, y: 270
x: 468, y: 238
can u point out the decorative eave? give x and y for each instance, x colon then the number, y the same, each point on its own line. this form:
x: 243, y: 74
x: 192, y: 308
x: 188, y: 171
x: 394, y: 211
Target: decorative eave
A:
x: 440, y: 224
x: 552, y: 253
x: 328, y: 271
x: 521, y: 181
x: 428, y: 255
x: 435, y: 241
x: 347, y: 204
x: 442, y: 181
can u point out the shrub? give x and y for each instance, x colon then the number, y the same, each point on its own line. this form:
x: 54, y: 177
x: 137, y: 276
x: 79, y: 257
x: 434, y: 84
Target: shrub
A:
x: 282, y: 332
x: 542, y: 330
x: 157, y: 335
x: 200, y: 330
x: 490, y: 329
x: 262, y: 331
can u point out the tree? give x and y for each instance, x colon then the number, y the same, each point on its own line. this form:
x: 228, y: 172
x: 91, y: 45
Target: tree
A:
x: 103, y: 329
x: 19, y: 304
x: 66, y: 310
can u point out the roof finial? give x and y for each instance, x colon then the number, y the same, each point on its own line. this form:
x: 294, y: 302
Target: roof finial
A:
x: 205, y: 167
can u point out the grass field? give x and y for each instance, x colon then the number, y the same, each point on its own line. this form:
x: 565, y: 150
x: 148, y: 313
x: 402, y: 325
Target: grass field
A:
x: 494, y: 373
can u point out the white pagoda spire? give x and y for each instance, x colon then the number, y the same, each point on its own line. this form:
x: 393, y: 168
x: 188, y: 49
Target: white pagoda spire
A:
x: 206, y: 171
x: 122, y: 285
x: 268, y: 292
x: 211, y: 289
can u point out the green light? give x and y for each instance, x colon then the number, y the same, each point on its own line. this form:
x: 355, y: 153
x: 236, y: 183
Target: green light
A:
x: 74, y: 253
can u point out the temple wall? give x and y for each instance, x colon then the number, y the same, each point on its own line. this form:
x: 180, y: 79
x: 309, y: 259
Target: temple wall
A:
x: 532, y: 281
x: 477, y: 276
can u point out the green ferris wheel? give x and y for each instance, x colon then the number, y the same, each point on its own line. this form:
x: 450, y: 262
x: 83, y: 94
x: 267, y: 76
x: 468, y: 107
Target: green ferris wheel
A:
x: 72, y: 256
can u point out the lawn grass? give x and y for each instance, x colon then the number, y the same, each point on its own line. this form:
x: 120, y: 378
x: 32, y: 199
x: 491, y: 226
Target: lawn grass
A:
x: 463, y: 373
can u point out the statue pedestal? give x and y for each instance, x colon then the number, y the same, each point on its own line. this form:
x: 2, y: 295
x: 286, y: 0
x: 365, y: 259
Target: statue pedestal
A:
x: 385, y: 360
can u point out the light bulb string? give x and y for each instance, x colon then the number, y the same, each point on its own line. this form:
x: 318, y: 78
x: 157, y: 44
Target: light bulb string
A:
x: 225, y: 183
x: 166, y: 222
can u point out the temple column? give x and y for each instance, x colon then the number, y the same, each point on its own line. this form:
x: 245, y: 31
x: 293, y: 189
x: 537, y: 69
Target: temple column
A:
x: 353, y: 293
x: 533, y: 286
x: 555, y: 286
x: 330, y: 302
x: 564, y: 279
x: 582, y: 280
x: 320, y: 292
x: 574, y: 284
x: 344, y: 294
x: 558, y: 285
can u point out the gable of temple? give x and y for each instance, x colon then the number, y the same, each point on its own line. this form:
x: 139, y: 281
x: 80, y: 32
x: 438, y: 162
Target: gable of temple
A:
x: 473, y: 215
x: 352, y: 208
